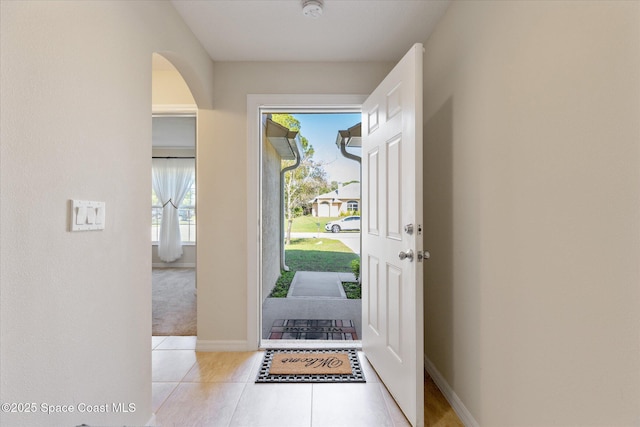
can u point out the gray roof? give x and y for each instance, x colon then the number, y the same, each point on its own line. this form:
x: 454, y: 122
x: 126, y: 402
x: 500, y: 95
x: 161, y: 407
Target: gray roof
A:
x: 348, y: 192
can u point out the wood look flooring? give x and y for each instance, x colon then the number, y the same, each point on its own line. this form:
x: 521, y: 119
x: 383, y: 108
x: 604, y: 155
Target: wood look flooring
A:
x: 217, y: 389
x: 437, y: 410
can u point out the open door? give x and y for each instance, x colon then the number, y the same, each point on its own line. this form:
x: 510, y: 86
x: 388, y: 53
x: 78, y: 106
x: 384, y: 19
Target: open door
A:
x: 392, y: 260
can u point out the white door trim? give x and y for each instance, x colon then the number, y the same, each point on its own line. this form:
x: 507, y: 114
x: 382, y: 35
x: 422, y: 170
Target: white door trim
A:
x: 282, y: 103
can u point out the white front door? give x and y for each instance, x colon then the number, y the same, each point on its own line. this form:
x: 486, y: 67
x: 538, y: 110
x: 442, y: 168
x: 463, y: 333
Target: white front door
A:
x: 392, y: 318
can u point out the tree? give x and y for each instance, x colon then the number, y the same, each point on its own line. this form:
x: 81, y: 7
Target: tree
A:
x: 305, y: 182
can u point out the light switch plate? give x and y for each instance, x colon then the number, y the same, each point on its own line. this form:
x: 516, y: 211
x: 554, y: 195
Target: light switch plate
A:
x: 87, y: 215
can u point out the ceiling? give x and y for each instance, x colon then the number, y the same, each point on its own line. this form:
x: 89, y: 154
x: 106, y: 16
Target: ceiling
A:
x: 276, y: 30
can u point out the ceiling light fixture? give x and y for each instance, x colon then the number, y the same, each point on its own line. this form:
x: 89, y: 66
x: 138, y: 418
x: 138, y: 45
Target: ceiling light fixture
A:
x: 312, y: 8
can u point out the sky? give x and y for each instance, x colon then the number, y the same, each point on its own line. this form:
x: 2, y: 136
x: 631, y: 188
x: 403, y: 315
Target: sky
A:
x: 322, y: 130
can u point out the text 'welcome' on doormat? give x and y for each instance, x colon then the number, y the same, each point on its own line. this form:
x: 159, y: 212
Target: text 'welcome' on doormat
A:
x: 306, y: 366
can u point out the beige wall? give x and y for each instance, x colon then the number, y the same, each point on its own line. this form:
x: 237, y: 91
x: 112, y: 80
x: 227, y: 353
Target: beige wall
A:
x: 222, y: 171
x: 76, y: 101
x: 170, y: 89
x: 532, y: 213
x: 532, y: 185
x: 188, y: 258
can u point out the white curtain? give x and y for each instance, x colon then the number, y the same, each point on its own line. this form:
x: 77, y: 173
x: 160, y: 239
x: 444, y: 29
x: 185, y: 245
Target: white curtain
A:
x: 171, y: 179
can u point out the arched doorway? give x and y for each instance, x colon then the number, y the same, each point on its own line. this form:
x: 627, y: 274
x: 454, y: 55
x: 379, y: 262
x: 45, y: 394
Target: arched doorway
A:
x: 173, y: 248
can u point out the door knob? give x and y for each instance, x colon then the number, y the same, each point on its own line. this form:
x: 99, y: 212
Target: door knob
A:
x: 408, y: 254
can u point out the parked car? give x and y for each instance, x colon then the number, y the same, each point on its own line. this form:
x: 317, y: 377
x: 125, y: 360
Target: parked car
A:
x: 347, y: 223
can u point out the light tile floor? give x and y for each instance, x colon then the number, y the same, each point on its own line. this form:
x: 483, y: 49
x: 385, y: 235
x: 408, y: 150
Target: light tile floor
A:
x: 217, y: 389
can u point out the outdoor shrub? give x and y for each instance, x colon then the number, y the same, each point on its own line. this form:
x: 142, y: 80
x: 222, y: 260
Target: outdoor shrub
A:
x: 353, y: 290
x: 355, y: 267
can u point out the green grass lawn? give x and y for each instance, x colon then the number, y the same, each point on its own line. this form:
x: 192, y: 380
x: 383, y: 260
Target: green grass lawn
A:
x: 319, y: 255
x: 315, y: 255
x: 309, y: 224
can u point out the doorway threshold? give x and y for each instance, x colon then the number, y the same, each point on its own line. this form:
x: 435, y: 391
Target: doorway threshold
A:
x: 309, y: 344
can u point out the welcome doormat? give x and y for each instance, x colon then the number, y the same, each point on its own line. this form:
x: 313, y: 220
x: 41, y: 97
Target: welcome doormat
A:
x: 303, y: 329
x: 305, y: 366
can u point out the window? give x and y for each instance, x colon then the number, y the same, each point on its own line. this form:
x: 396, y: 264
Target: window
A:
x: 186, y: 214
x: 352, y: 205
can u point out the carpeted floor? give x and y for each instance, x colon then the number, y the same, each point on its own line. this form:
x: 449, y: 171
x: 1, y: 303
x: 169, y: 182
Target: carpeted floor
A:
x: 174, y: 301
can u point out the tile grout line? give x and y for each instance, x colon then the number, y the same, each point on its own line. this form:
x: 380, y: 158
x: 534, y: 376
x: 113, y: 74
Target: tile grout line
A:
x: 386, y: 404
x: 166, y: 398
x: 235, y: 408
x: 179, y: 382
x: 248, y: 380
x: 311, y: 410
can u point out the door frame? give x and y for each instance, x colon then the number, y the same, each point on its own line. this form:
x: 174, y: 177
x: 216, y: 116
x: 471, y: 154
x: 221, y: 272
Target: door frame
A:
x: 284, y: 103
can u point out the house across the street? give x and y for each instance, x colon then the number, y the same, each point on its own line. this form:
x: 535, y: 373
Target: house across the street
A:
x: 342, y: 200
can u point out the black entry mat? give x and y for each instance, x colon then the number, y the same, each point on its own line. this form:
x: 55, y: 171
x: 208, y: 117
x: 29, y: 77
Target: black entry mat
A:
x: 303, y: 329
x: 356, y: 376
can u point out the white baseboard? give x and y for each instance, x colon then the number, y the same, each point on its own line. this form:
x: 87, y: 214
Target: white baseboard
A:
x: 451, y: 396
x: 174, y: 264
x: 152, y: 421
x: 216, y: 345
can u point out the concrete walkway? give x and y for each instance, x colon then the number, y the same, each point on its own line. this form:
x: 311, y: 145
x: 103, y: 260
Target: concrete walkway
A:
x: 314, y: 295
x: 314, y: 284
